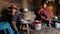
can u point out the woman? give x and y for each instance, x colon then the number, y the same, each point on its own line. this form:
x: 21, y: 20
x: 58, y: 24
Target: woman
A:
x: 45, y: 14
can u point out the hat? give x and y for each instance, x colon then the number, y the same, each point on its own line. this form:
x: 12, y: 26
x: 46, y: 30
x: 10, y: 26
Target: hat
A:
x: 14, y: 7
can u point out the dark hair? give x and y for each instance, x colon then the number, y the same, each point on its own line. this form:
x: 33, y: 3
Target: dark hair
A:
x: 44, y: 3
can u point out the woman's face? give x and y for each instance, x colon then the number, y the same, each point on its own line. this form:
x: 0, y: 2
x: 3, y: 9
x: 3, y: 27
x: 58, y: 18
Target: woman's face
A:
x: 45, y: 5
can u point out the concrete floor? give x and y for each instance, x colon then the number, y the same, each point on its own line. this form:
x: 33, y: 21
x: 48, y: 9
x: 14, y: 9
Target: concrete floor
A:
x: 44, y: 30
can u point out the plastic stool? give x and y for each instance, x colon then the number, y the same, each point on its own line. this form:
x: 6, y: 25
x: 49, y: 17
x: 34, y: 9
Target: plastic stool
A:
x: 4, y: 26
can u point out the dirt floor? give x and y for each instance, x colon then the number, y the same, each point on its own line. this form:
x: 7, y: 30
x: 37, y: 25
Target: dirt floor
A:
x: 44, y: 30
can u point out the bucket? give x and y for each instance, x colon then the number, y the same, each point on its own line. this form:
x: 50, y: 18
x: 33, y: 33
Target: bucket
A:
x: 57, y: 25
x: 37, y: 25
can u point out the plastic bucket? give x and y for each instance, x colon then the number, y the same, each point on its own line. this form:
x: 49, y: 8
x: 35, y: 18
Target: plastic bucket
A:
x: 57, y: 25
x: 37, y: 26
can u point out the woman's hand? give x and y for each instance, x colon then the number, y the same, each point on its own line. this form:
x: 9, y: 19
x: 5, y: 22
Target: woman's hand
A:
x: 43, y: 17
x: 42, y: 9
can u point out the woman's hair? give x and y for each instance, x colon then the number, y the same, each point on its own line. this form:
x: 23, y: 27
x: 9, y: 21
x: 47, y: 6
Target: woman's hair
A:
x: 45, y: 3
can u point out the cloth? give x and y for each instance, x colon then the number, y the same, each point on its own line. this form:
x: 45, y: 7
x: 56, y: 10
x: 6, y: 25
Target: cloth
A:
x: 29, y: 16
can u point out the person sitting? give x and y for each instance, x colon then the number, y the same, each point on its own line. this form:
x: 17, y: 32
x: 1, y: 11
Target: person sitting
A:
x: 15, y: 18
x: 45, y: 14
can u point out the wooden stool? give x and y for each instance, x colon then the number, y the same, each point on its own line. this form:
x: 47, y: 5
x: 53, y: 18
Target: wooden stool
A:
x: 26, y: 28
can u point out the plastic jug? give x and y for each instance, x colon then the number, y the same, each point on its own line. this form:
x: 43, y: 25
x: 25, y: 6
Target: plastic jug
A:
x: 57, y: 25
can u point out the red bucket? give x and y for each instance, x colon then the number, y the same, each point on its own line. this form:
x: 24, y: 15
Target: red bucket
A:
x: 37, y: 22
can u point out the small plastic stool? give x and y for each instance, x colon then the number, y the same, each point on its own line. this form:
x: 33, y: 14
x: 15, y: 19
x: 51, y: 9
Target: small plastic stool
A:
x: 4, y: 26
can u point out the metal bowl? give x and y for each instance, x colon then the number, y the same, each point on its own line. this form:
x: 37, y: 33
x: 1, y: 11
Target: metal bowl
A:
x: 24, y: 21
